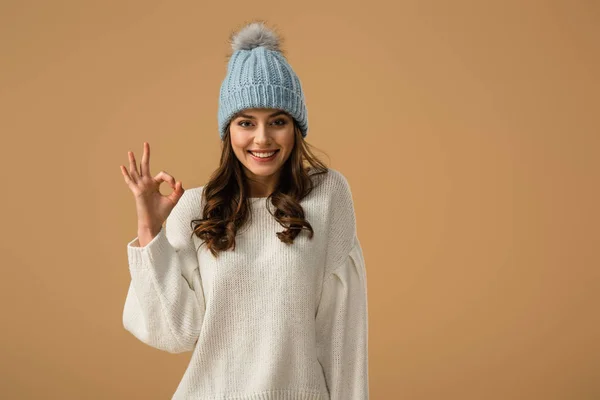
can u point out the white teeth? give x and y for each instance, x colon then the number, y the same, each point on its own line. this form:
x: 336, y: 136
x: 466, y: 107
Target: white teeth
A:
x: 263, y: 155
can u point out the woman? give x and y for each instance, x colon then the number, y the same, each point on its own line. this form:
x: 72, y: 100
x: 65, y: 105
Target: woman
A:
x: 268, y: 313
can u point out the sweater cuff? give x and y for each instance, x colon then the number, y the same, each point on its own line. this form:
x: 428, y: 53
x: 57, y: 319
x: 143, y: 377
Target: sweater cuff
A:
x: 135, y: 253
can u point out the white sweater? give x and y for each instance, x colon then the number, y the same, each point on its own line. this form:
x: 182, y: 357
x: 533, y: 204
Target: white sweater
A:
x: 266, y: 321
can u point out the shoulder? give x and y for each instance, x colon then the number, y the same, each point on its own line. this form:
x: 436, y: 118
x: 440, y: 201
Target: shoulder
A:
x: 340, y: 216
x: 337, y: 194
x: 192, y: 196
x: 178, y: 226
x: 340, y: 188
x: 333, y: 186
x: 337, y: 176
x: 188, y: 207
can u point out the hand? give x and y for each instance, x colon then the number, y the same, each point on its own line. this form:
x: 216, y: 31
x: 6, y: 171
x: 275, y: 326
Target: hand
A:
x: 152, y: 207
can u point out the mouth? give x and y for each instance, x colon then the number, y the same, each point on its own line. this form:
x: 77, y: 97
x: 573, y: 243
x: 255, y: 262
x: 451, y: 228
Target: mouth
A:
x: 263, y: 156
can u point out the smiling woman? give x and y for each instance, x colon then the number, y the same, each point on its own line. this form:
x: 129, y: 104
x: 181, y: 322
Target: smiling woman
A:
x: 270, y: 314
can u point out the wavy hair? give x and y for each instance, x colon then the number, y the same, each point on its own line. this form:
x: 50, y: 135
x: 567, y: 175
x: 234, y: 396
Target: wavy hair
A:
x: 226, y: 203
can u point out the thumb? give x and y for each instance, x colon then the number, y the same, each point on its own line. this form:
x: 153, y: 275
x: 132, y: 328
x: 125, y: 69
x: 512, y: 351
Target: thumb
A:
x: 177, y: 192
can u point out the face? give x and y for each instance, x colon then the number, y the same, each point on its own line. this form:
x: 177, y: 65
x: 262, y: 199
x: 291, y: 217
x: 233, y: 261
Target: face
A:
x: 260, y: 131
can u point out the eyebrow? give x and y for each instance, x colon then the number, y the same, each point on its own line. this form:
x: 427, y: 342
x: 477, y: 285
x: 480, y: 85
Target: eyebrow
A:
x: 276, y: 113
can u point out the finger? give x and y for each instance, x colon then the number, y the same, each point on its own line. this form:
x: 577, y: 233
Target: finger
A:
x: 128, y: 179
x: 177, y: 193
x: 146, y: 160
x: 162, y: 176
x: 133, y: 169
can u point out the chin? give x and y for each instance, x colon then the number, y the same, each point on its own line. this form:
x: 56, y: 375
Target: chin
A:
x: 262, y: 170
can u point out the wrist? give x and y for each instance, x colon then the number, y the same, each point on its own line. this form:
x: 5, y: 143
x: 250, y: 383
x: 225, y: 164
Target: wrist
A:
x: 148, y: 230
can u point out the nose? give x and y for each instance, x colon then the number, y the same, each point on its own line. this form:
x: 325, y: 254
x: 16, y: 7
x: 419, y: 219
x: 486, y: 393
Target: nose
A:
x: 262, y: 134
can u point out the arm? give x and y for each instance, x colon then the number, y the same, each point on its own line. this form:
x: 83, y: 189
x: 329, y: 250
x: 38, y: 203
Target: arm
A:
x: 164, y: 307
x: 342, y: 329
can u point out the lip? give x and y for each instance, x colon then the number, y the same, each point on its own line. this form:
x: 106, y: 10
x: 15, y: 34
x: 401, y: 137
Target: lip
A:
x: 264, y: 160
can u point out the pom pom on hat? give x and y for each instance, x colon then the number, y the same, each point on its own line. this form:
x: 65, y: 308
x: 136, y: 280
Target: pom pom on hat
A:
x: 254, y: 35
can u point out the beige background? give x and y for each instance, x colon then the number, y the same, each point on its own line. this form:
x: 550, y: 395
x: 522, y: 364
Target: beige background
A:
x: 468, y: 131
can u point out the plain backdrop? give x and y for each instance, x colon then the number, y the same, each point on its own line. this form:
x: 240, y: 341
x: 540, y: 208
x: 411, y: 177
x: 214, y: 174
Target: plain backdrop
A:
x: 468, y: 131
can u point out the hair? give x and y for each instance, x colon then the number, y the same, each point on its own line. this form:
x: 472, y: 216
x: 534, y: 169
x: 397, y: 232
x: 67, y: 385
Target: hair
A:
x: 226, y: 203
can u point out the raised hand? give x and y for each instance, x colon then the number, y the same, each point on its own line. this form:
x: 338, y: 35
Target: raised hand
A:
x: 152, y: 207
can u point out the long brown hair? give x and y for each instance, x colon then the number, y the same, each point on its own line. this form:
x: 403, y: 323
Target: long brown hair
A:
x: 225, y: 196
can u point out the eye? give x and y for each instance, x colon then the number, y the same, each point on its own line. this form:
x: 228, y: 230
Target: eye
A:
x: 278, y: 122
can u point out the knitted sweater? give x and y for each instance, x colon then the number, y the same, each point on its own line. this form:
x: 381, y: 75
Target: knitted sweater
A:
x: 266, y: 321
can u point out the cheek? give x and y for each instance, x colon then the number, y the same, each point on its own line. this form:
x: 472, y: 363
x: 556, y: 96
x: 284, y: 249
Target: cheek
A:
x: 237, y: 142
x: 288, y: 140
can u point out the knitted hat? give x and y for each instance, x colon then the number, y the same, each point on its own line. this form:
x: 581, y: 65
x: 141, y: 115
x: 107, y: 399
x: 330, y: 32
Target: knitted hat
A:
x: 259, y: 76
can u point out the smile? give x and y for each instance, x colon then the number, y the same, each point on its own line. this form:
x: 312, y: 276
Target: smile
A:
x: 262, y: 156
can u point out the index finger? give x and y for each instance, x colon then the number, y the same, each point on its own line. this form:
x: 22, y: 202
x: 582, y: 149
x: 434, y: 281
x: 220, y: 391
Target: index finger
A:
x: 145, y: 166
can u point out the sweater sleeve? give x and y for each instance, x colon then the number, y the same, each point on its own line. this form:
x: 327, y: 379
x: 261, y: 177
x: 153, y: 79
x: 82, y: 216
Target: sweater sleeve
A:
x: 164, y: 307
x: 342, y: 329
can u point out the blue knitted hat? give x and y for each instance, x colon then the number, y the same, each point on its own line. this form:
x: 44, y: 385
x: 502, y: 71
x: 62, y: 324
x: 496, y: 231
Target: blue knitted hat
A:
x: 259, y: 76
